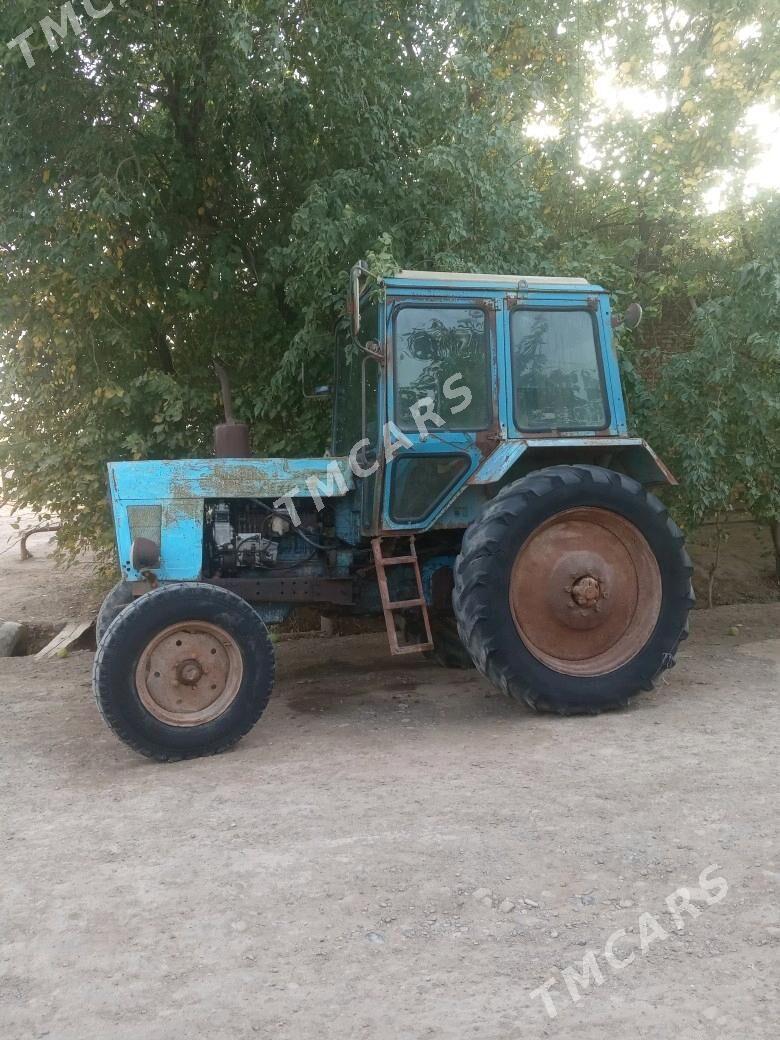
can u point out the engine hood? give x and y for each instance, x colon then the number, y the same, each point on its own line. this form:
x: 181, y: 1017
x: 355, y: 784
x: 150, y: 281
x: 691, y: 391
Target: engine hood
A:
x: 163, y: 480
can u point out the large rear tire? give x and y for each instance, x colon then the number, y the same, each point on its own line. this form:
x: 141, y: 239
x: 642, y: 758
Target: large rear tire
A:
x: 186, y: 670
x: 572, y: 590
x: 448, y: 650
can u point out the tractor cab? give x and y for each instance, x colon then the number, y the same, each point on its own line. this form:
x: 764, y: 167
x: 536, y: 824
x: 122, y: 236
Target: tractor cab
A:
x: 448, y: 380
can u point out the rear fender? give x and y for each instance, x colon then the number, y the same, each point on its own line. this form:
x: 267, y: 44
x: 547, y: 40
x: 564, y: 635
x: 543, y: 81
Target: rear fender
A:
x: 630, y: 455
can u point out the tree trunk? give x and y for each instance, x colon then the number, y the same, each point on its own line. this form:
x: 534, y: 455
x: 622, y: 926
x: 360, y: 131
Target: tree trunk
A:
x: 713, y: 567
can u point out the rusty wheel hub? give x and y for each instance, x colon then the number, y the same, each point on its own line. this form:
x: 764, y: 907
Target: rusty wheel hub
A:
x: 189, y: 674
x: 585, y: 591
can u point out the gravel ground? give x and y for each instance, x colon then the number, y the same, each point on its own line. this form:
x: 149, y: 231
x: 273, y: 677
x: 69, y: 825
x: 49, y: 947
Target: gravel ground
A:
x: 320, y: 879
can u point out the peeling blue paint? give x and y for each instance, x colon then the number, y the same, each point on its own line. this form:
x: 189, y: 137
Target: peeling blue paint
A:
x: 227, y: 478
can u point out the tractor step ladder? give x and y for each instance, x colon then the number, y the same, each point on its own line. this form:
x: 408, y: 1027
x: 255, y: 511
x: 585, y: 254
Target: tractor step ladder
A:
x: 388, y: 606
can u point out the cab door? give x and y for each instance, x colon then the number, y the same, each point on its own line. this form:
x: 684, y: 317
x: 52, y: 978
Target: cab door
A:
x: 441, y: 359
x: 358, y: 416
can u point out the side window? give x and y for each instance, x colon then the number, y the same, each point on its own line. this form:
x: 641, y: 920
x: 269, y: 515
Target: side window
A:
x: 433, y: 344
x: 556, y: 370
x: 348, y: 419
x: 370, y: 382
x: 420, y: 482
x: 349, y: 395
x: 370, y: 486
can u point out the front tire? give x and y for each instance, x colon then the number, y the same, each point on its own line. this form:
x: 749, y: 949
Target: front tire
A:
x: 572, y: 590
x: 184, y: 671
x: 118, y: 598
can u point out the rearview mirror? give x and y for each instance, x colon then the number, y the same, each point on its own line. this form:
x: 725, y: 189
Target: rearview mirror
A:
x: 633, y: 315
x: 630, y: 319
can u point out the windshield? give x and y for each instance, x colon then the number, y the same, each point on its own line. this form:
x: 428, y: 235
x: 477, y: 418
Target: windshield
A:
x: 556, y: 370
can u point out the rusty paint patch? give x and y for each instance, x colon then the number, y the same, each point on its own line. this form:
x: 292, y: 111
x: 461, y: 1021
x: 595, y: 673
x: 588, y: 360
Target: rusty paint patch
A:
x: 261, y: 478
x: 182, y: 508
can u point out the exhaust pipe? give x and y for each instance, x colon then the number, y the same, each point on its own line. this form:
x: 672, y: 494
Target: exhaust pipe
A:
x: 231, y: 438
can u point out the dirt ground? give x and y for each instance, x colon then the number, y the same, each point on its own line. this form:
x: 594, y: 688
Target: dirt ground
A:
x: 320, y: 879
x: 35, y: 591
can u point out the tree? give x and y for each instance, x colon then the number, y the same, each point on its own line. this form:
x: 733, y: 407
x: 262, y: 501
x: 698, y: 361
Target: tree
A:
x: 188, y: 178
x: 183, y: 178
x: 718, y: 413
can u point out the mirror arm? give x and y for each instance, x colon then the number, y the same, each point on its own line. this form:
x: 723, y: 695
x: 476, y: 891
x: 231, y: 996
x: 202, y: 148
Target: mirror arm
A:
x: 356, y: 273
x: 373, y: 348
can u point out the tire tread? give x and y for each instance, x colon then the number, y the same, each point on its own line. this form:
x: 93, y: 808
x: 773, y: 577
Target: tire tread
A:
x: 115, y: 636
x: 482, y: 539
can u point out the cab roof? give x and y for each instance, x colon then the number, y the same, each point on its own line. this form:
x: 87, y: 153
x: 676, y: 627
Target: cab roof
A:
x: 443, y: 279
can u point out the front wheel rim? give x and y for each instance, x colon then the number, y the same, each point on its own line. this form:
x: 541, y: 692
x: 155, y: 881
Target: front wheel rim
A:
x: 189, y: 673
x: 585, y: 591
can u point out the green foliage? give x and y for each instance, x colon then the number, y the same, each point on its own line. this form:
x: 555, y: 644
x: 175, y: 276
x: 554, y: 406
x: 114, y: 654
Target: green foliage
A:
x: 191, y: 178
x: 718, y: 417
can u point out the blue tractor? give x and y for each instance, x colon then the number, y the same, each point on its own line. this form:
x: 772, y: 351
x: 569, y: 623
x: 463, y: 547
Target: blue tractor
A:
x: 481, y: 492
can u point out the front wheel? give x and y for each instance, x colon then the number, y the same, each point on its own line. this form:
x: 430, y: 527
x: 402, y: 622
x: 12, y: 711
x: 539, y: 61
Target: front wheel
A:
x: 572, y: 590
x: 118, y: 598
x: 185, y: 670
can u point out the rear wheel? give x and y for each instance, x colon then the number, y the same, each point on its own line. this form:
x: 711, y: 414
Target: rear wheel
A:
x: 572, y: 590
x: 185, y: 670
x: 448, y: 650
